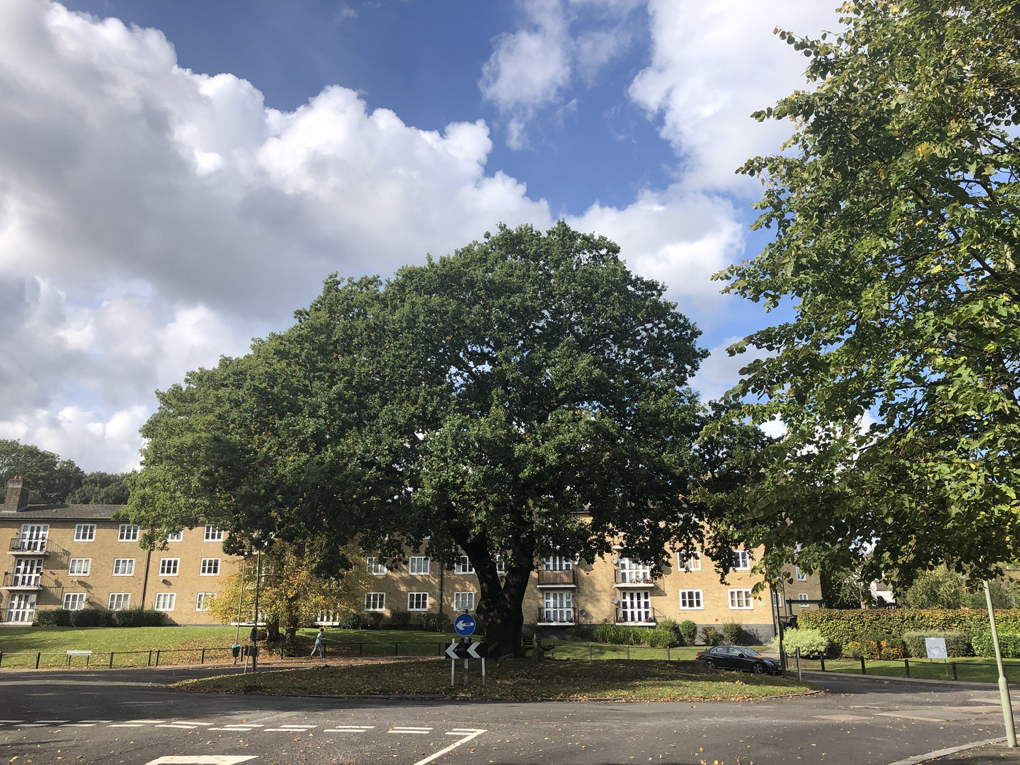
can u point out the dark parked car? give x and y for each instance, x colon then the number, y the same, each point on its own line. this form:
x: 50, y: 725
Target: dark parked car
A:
x: 738, y: 657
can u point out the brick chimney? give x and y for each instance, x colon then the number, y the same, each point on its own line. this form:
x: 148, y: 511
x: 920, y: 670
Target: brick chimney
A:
x: 17, y: 495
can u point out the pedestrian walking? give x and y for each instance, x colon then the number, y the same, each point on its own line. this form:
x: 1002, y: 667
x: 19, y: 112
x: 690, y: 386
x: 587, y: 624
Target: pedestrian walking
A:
x: 318, y: 645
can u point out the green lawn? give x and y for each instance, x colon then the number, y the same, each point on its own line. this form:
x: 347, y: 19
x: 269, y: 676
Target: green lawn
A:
x: 578, y: 679
x: 970, y: 669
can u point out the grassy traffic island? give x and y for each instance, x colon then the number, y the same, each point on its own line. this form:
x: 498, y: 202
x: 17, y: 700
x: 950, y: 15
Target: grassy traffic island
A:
x: 574, y: 679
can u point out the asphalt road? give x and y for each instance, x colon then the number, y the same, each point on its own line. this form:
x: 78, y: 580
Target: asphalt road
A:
x: 128, y: 717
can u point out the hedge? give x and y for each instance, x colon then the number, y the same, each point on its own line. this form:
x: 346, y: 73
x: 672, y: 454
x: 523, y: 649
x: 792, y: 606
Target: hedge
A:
x: 810, y: 642
x: 957, y: 643
x: 618, y: 634
x: 1009, y: 644
x: 842, y: 627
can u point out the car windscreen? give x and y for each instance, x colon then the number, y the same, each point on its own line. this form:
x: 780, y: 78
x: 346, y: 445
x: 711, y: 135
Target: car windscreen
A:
x: 750, y: 652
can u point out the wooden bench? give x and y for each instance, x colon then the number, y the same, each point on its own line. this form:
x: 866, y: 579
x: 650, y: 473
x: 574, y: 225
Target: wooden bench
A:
x: 529, y: 645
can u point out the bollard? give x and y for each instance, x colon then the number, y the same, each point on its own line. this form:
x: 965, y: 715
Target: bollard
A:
x: 1, y: 658
x: 202, y: 660
x: 822, y: 660
x: 157, y: 656
x: 38, y: 656
x: 864, y: 670
x: 800, y: 675
x: 906, y: 667
x: 360, y: 646
x: 628, y: 652
x: 667, y: 653
x: 149, y: 663
x: 954, y: 670
x: 111, y: 660
x: 87, y: 661
x: 589, y: 653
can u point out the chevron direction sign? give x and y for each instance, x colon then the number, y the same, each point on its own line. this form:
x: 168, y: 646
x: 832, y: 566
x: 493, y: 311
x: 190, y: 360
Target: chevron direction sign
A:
x: 467, y: 650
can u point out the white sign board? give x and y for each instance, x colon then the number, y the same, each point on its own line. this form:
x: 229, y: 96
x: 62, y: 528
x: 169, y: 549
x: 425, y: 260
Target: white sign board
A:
x: 936, y: 648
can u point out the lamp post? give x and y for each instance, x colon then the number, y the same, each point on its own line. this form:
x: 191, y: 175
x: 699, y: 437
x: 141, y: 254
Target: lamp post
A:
x: 240, y: 600
x: 1007, y: 706
x: 255, y: 629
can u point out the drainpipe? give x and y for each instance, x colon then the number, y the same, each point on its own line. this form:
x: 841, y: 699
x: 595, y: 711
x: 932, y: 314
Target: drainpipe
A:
x: 145, y: 579
x: 441, y: 570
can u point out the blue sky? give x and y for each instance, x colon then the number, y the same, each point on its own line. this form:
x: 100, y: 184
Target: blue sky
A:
x: 176, y: 178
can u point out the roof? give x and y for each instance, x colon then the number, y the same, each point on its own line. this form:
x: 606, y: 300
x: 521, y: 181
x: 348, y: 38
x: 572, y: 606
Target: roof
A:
x: 64, y: 512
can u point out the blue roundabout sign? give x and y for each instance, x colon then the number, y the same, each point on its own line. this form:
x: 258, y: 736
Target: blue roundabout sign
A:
x: 464, y: 625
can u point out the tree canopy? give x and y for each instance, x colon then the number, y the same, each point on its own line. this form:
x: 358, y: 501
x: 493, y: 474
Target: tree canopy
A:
x: 50, y: 478
x: 523, y: 397
x: 895, y: 217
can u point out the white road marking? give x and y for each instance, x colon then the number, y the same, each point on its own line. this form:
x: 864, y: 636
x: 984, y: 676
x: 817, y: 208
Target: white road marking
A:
x: 128, y: 725
x: 408, y: 729
x: 33, y: 725
x: 139, y: 720
x: 215, y: 759
x: 467, y: 733
x: 350, y: 729
x: 78, y: 725
x: 53, y: 721
x: 12, y: 722
x: 178, y: 726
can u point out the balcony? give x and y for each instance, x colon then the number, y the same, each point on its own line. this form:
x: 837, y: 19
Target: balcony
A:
x: 557, y: 617
x: 637, y: 617
x: 21, y: 546
x: 561, y: 579
x: 634, y: 579
x: 24, y: 582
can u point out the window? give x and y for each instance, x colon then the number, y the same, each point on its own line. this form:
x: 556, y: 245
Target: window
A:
x: 690, y: 600
x: 123, y: 566
x: 635, y: 606
x: 463, y: 601
x: 463, y: 566
x: 210, y: 567
x: 177, y: 536
x: 85, y: 532
x: 557, y: 563
x: 417, y: 601
x: 418, y: 565
x: 740, y: 599
x: 127, y: 533
x: 203, y: 599
x: 688, y: 561
x: 375, y: 567
x: 559, y: 608
x: 79, y: 566
x: 375, y: 601
x: 119, y: 601
x: 33, y: 539
x: 802, y: 600
x: 500, y: 564
x: 213, y: 534
x: 801, y: 576
x: 21, y: 607
x: 632, y: 572
x: 169, y: 566
x: 165, y: 601
x: 741, y: 561
x: 27, y: 572
x: 74, y: 601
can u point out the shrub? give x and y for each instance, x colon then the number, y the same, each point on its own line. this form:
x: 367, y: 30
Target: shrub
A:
x: 733, y: 633
x: 92, y: 617
x: 435, y: 622
x: 140, y: 617
x: 354, y: 621
x: 400, y: 619
x: 876, y: 646
x: 711, y: 636
x: 1009, y: 644
x: 54, y: 617
x: 810, y: 642
x: 688, y: 632
x: 371, y: 620
x: 957, y: 643
x: 614, y: 634
x: 841, y: 627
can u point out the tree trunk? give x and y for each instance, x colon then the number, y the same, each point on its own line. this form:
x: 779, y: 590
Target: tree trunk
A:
x: 273, y: 631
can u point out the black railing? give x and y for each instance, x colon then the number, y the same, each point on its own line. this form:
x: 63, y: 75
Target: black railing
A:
x: 634, y: 576
x: 566, y: 615
x: 636, y: 615
x: 561, y: 578
x: 23, y: 580
x: 29, y: 545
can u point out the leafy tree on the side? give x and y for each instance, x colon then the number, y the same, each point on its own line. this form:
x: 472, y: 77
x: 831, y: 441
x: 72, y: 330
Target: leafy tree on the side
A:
x: 524, y: 397
x: 50, y: 478
x: 101, y: 488
x: 895, y: 214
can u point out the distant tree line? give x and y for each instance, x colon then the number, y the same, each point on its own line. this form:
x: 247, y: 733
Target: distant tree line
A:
x: 53, y: 480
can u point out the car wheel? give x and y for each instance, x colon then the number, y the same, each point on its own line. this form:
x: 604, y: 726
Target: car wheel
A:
x: 709, y: 663
x: 758, y: 669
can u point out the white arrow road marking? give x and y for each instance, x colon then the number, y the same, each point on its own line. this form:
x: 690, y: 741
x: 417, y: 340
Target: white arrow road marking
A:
x: 216, y: 759
x: 409, y: 729
x: 467, y: 733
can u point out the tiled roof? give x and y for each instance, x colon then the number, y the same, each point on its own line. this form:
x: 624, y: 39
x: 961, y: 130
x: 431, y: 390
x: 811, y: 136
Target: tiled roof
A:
x: 64, y: 512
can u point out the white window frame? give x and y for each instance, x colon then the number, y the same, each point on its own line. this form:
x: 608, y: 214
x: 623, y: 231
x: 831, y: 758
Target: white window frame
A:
x: 741, y: 595
x: 741, y: 560
x: 635, y: 606
x: 418, y: 565
x: 688, y: 561
x: 375, y: 601
x: 165, y: 601
x: 375, y: 568
x: 169, y: 567
x: 209, y: 567
x: 463, y: 565
x: 127, y: 532
x: 177, y: 536
x: 212, y: 533
x: 202, y: 600
x: 118, y: 601
x: 801, y: 597
x: 84, y: 566
x: 557, y: 563
x: 801, y: 576
x: 634, y: 571
x: 558, y: 607
x: 500, y: 564
x: 416, y: 597
x: 463, y: 601
x: 692, y: 600
x: 74, y: 601
x: 85, y: 532
x: 127, y: 566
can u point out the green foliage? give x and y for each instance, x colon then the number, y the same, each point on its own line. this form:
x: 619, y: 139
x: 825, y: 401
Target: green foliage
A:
x: 435, y: 622
x: 1005, y: 594
x: 733, y: 633
x: 400, y: 619
x: 1009, y: 644
x: 661, y: 636
x: 688, y: 632
x: 372, y: 621
x: 711, y: 636
x: 140, y: 617
x: 810, y: 642
x: 50, y: 479
x: 938, y: 588
x: 894, y: 209
x: 53, y: 617
x: 876, y: 645
x: 93, y: 617
x: 354, y: 620
x: 957, y: 643
x: 101, y: 489
x: 842, y: 627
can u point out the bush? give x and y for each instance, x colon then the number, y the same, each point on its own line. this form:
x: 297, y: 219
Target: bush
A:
x: 140, y: 617
x: 688, y: 632
x: 353, y: 621
x: 1009, y: 644
x: 810, y: 642
x: 371, y: 620
x: 92, y: 617
x: 733, y: 633
x: 711, y: 636
x: 841, y: 627
x: 957, y: 643
x: 614, y: 634
x: 664, y: 635
x: 876, y: 646
x: 400, y: 619
x: 54, y: 617
x: 435, y: 623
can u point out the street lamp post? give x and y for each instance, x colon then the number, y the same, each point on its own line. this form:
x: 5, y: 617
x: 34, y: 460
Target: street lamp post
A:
x: 1007, y: 706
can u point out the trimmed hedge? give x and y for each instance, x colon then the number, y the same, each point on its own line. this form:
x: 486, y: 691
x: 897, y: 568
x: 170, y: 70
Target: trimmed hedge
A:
x: 688, y: 631
x: 957, y: 643
x: 876, y: 646
x: 92, y: 617
x: 661, y: 636
x: 1009, y: 644
x: 140, y: 617
x: 810, y: 642
x: 843, y: 627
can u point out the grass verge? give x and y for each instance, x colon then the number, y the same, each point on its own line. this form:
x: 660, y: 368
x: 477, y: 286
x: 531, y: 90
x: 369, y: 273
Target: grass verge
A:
x: 970, y: 669
x: 578, y: 679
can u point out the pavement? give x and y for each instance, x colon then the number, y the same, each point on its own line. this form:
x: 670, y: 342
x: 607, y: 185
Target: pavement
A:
x: 130, y: 717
